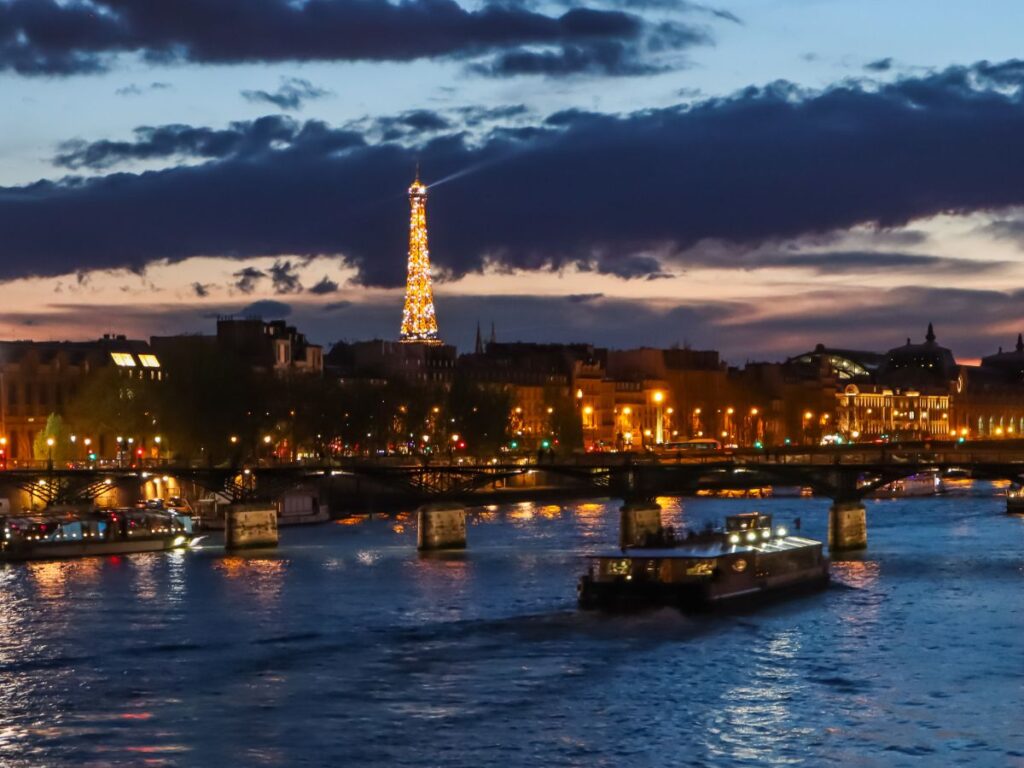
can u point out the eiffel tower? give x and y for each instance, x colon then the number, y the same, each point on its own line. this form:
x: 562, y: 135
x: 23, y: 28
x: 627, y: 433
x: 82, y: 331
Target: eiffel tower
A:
x: 419, y: 323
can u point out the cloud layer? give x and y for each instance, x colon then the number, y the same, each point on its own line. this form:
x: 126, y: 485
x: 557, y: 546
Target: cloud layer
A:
x: 80, y: 37
x: 625, y: 194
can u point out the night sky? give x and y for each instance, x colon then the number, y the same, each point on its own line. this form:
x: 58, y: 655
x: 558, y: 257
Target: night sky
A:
x: 756, y: 176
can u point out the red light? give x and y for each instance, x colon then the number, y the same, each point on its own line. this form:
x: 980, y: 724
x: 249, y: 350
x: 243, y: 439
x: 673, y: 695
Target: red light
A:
x: 138, y: 452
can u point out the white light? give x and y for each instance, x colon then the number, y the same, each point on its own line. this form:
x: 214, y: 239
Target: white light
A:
x: 766, y: 534
x: 751, y: 536
x: 734, y: 539
x: 782, y: 531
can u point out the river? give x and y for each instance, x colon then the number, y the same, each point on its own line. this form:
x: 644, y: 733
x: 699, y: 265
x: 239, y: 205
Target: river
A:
x: 345, y: 647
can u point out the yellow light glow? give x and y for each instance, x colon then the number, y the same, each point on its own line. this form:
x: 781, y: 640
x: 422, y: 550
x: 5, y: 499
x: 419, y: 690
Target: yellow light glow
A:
x: 149, y: 361
x: 808, y: 415
x: 659, y: 396
x: 123, y: 359
x: 588, y: 410
x: 627, y: 410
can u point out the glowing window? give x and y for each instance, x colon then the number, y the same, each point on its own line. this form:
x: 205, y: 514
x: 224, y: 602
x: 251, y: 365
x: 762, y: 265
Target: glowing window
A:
x: 123, y: 359
x: 149, y: 361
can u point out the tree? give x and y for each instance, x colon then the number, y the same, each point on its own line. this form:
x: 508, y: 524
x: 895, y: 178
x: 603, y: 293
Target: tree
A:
x: 481, y: 415
x: 565, y: 421
x: 56, y: 431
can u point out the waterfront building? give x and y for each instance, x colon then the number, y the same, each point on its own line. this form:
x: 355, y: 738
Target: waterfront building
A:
x: 393, y: 361
x: 545, y: 383
x: 266, y: 347
x: 40, y: 378
x: 989, y: 403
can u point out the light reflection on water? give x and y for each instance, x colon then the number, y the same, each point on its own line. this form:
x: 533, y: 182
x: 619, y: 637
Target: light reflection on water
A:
x: 346, y: 646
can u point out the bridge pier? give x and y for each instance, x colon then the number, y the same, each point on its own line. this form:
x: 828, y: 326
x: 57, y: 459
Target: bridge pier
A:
x: 638, y: 520
x: 250, y: 525
x: 441, y: 526
x: 847, y: 526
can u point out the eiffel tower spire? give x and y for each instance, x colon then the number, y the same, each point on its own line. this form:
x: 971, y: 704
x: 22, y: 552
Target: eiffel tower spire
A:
x: 419, y: 323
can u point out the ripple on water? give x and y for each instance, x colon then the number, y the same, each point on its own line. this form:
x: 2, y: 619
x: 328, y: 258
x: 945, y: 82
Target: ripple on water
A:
x: 346, y: 647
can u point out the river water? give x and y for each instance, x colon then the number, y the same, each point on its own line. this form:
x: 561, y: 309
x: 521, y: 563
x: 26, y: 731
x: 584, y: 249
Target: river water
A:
x: 344, y: 647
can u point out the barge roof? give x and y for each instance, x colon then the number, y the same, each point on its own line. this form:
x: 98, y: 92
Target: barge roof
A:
x: 707, y: 551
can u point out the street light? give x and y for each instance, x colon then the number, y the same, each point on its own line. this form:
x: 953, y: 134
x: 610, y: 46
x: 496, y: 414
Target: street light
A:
x: 659, y: 423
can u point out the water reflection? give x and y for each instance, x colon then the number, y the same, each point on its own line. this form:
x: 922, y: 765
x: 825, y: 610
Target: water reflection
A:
x: 259, y: 577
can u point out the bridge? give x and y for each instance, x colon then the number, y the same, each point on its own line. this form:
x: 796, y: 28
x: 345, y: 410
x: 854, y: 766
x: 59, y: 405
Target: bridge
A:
x: 845, y: 474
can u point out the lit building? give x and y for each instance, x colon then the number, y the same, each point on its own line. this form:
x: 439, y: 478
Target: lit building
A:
x: 989, y: 402
x: 40, y: 378
x: 419, y: 323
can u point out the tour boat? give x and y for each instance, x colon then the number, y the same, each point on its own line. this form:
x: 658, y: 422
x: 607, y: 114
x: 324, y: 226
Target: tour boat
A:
x: 1015, y: 500
x: 58, y: 534
x: 748, y: 559
x: 922, y: 484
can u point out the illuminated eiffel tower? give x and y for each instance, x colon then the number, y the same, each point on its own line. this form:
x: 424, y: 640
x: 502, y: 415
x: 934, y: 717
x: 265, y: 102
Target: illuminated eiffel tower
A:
x: 419, y: 323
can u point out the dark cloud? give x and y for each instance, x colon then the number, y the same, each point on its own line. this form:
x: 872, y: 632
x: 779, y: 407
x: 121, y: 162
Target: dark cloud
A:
x: 601, y: 191
x: 74, y: 37
x: 880, y: 65
x: 292, y: 94
x: 246, y: 279
x: 473, y: 116
x: 337, y: 306
x: 241, y: 139
x: 284, y: 277
x: 413, y: 123
x: 580, y: 298
x: 324, y: 287
x: 137, y: 90
x: 268, y: 309
x: 611, y: 58
x: 200, y: 290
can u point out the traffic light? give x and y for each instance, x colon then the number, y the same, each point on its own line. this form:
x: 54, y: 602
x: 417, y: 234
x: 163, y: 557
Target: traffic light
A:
x: 545, y: 444
x: 513, y: 445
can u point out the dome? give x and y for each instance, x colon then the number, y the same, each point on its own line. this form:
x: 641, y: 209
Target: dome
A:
x: 919, y: 365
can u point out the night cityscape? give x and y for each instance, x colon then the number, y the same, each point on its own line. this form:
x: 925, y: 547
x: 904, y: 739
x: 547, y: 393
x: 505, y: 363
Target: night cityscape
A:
x: 455, y: 383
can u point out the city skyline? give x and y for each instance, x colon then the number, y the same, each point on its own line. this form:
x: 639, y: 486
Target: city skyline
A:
x: 590, y: 172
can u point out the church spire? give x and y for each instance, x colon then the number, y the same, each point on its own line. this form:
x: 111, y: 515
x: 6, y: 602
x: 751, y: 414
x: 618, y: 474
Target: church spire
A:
x: 494, y: 338
x: 930, y: 336
x: 479, y: 349
x: 1020, y: 343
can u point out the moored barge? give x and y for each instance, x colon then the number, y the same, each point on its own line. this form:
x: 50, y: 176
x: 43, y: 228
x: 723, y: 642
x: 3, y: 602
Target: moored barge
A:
x: 749, y: 558
x: 60, y: 534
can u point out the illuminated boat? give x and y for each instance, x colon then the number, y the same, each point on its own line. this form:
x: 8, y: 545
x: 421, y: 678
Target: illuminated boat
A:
x: 922, y: 484
x: 748, y: 560
x: 55, y: 534
x: 1015, y: 500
